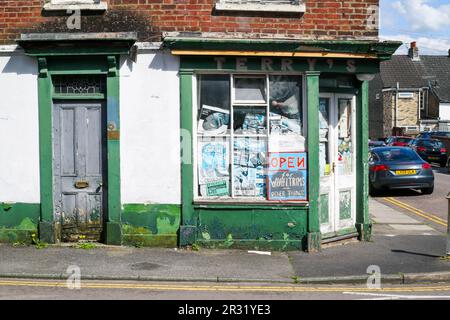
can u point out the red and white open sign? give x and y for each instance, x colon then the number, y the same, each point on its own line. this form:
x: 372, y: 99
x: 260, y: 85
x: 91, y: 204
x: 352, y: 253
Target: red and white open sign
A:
x: 287, y: 161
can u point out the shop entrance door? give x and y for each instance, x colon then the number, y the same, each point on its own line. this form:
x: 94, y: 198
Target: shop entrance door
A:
x: 78, y: 157
x: 337, y: 200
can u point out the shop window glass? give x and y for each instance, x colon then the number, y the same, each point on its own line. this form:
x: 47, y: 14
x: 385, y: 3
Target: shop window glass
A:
x: 250, y: 90
x: 235, y: 114
x: 324, y: 136
x: 345, y: 148
x: 214, y: 108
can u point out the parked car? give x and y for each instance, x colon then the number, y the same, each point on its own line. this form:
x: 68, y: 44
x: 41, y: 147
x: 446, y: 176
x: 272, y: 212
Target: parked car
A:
x: 375, y: 144
x: 399, y: 168
x: 398, y: 141
x: 430, y: 150
x: 431, y: 134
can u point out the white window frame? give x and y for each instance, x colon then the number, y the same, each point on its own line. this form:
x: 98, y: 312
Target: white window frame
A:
x: 53, y: 5
x: 406, y: 95
x: 260, y: 6
x: 195, y: 136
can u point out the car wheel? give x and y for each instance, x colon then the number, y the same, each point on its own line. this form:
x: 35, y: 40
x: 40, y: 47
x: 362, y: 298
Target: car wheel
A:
x: 373, y: 192
x: 427, y: 190
x: 443, y: 164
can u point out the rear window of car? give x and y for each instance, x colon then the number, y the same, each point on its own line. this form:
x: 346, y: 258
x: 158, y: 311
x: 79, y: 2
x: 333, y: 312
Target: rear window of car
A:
x: 397, y: 155
x: 432, y: 144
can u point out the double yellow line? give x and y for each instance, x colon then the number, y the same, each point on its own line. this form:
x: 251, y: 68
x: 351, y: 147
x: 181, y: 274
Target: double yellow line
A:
x: 429, y: 216
x: 220, y: 288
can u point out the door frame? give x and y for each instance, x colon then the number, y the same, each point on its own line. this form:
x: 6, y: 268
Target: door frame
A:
x: 333, y: 226
x: 49, y: 229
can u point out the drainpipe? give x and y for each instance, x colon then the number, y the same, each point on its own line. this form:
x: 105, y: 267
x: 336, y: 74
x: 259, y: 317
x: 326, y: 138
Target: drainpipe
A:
x: 448, y: 227
x: 396, y: 104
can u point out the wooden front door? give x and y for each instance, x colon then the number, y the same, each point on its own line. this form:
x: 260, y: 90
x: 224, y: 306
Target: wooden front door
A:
x: 78, y: 177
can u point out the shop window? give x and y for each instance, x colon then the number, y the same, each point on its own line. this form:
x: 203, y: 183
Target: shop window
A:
x: 283, y: 6
x: 240, y: 119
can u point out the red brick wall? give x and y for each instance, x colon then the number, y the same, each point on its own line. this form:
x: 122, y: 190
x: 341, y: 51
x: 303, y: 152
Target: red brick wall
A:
x: 332, y: 19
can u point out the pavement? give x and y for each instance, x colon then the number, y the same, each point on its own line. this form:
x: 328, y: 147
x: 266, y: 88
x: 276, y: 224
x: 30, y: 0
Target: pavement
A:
x: 404, y: 250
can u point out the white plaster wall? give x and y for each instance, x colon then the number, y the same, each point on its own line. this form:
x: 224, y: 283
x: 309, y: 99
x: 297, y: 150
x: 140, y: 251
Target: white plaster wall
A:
x: 444, y: 111
x: 150, y: 129
x: 19, y: 129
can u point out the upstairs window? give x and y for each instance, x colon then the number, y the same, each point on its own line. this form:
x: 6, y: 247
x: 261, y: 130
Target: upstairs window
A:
x: 75, y: 4
x: 281, y: 6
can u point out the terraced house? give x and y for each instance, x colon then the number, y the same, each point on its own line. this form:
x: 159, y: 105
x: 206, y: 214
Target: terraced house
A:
x: 225, y: 123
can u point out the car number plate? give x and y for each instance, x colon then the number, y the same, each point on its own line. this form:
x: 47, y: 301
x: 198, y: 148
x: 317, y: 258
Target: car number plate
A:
x: 405, y: 172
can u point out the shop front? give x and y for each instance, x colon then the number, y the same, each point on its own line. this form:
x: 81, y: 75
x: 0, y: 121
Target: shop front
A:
x: 274, y: 143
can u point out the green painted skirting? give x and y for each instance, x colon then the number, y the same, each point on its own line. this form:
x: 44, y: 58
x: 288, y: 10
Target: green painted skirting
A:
x: 272, y: 245
x: 19, y: 215
x: 18, y: 221
x: 150, y: 240
x: 150, y: 225
x: 16, y: 235
x: 268, y: 228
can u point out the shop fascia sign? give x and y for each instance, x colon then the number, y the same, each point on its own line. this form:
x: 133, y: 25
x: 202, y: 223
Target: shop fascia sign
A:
x: 285, y: 64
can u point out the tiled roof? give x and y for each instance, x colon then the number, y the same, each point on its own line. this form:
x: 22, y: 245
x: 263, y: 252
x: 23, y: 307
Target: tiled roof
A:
x: 429, y: 70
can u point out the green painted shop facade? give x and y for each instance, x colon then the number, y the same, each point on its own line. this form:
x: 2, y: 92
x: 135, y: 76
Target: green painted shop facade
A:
x: 225, y: 202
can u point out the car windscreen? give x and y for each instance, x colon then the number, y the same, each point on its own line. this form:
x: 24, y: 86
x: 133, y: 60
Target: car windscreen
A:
x: 397, y: 155
x: 405, y: 140
x: 432, y: 144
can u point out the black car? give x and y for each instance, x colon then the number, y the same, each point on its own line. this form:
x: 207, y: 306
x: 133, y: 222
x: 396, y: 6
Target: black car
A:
x: 431, y: 150
x: 399, y: 168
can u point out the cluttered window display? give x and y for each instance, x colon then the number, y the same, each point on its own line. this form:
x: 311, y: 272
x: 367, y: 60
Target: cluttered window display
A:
x: 243, y: 122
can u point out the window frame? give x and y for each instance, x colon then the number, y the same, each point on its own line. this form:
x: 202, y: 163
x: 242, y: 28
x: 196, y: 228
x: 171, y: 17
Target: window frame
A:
x: 57, y: 5
x: 232, y: 199
x: 261, y: 6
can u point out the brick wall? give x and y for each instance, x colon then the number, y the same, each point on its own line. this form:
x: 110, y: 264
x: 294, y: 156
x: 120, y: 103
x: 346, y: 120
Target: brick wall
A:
x: 325, y: 19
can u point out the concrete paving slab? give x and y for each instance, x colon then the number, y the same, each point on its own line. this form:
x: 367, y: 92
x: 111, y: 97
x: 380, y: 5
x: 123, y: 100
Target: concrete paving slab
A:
x: 382, y: 214
x: 411, y: 227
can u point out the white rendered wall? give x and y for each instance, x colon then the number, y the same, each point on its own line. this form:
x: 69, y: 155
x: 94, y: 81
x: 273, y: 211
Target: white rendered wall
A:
x: 19, y: 129
x: 150, y: 129
x: 444, y: 111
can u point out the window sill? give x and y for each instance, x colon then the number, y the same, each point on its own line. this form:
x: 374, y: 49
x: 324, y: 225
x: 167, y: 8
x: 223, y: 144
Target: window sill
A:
x: 224, y: 204
x: 276, y: 8
x: 101, y: 6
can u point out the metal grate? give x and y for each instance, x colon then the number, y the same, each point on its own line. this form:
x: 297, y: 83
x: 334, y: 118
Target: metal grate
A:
x: 79, y: 84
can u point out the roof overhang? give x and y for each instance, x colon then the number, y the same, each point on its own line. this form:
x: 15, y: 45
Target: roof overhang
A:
x: 60, y: 44
x: 282, y: 48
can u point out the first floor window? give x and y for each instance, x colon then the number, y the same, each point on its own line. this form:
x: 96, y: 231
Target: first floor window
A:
x: 241, y: 120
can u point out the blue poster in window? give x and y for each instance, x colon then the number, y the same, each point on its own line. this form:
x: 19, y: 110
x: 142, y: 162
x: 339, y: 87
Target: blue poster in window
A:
x: 287, y: 177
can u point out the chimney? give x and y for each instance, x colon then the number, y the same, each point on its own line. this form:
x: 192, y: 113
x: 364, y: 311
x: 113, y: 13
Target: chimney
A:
x: 413, y: 52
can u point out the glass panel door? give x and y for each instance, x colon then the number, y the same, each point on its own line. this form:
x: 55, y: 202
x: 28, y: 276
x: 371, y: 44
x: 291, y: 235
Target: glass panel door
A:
x: 326, y: 114
x: 345, y: 171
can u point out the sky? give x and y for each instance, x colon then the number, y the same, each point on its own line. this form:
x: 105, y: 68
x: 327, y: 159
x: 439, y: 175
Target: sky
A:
x: 424, y: 21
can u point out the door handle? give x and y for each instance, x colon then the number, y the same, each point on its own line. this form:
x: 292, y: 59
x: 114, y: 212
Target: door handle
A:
x: 333, y: 167
x: 100, y: 185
